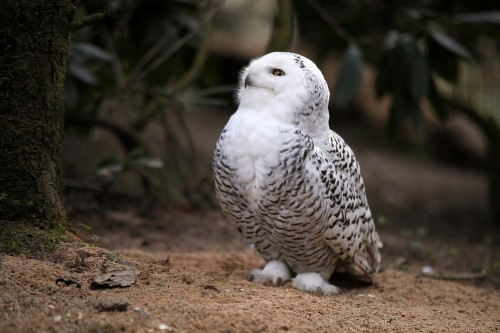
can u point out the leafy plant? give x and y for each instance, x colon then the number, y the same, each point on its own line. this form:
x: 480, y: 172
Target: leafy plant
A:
x: 136, y: 61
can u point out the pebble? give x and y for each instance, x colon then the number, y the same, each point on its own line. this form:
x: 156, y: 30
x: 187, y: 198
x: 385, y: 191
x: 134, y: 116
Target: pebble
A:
x: 113, y: 304
x: 164, y: 327
x: 427, y: 270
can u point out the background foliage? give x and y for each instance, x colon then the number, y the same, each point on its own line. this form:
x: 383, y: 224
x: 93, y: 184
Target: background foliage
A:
x: 137, y: 66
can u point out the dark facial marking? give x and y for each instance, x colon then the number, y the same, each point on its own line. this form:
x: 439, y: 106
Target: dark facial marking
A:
x: 248, y: 81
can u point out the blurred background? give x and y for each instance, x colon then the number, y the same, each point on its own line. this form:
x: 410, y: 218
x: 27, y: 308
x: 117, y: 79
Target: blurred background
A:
x: 414, y: 91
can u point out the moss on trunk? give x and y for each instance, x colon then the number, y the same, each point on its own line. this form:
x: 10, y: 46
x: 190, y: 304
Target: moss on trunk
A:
x: 34, y: 39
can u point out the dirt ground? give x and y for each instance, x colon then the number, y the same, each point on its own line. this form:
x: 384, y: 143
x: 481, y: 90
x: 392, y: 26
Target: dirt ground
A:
x: 190, y: 265
x: 207, y: 292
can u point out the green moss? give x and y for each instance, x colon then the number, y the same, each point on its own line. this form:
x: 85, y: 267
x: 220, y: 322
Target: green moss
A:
x: 20, y: 238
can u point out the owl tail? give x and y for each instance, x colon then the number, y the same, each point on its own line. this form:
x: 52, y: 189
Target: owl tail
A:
x: 374, y: 244
x: 365, y: 264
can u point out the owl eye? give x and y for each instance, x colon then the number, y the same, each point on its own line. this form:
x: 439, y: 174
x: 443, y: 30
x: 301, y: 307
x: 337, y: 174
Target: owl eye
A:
x: 278, y: 72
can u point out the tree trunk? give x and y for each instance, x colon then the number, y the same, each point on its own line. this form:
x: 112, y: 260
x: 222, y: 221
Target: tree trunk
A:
x: 34, y: 43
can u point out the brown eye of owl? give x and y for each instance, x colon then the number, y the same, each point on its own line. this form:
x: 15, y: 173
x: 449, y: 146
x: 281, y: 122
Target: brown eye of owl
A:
x: 278, y: 72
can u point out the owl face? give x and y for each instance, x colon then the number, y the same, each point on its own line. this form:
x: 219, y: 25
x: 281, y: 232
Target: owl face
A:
x: 279, y: 75
x: 287, y: 86
x: 274, y: 73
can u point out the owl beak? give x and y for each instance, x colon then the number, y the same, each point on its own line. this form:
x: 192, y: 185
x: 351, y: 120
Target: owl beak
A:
x: 248, y: 81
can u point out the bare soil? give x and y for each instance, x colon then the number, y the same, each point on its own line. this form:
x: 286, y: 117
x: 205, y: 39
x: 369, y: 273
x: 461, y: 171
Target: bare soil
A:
x: 190, y: 267
x: 207, y: 292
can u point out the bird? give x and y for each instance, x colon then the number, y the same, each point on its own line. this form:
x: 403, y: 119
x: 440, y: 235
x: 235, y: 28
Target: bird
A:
x: 290, y: 184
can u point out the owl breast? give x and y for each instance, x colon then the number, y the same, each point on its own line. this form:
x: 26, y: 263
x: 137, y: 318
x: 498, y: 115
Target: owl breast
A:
x: 265, y: 188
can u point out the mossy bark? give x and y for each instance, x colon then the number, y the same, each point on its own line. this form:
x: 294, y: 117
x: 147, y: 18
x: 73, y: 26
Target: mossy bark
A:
x: 34, y: 42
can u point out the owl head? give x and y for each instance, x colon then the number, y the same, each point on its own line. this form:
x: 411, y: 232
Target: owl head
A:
x: 288, y: 84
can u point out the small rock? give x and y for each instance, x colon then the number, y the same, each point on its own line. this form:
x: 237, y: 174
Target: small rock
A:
x: 212, y: 288
x: 164, y: 327
x: 113, y: 304
x: 141, y: 311
x: 68, y: 282
x: 123, y: 278
x: 427, y: 270
x: 57, y: 319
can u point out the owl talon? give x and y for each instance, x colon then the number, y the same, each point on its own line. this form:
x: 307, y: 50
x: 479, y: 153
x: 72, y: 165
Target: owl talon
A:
x: 275, y: 273
x: 314, y: 283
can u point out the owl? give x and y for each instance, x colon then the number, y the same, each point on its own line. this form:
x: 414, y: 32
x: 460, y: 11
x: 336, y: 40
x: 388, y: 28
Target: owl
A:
x: 290, y: 184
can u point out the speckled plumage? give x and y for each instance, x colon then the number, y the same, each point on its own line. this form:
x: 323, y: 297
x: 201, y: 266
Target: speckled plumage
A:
x: 291, y: 185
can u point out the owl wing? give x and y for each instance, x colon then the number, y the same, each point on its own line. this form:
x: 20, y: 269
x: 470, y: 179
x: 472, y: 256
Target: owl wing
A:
x: 349, y: 226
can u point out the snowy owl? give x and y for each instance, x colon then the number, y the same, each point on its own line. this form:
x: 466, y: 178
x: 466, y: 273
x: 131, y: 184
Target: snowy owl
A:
x: 290, y: 184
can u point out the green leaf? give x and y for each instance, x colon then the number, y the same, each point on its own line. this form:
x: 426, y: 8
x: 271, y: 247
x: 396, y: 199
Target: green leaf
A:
x: 387, y: 66
x: 442, y: 61
x: 85, y: 226
x: 150, y: 162
x: 404, y: 74
x: 112, y: 168
x: 390, y: 64
x: 419, y: 76
x: 396, y: 63
x: 91, y: 51
x: 391, y: 39
x: 451, y: 45
x: 492, y: 17
x: 81, y: 74
x: 382, y: 80
x: 349, y: 77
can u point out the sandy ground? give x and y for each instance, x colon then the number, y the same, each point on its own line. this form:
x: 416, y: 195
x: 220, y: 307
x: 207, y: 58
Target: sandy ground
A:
x: 207, y: 292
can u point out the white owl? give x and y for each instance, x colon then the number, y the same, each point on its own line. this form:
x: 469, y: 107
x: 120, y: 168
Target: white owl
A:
x: 291, y: 185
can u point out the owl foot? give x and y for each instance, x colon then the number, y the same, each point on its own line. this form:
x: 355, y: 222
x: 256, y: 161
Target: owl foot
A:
x: 275, y: 273
x: 314, y: 283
